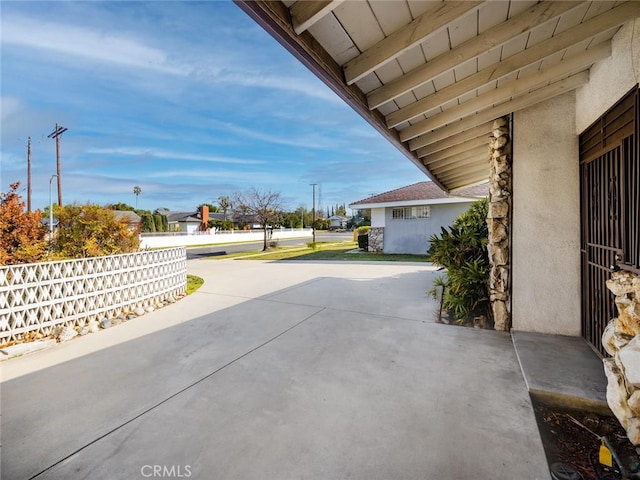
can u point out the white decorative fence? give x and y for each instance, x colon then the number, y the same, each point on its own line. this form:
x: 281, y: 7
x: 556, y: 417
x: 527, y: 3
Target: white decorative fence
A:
x: 40, y: 296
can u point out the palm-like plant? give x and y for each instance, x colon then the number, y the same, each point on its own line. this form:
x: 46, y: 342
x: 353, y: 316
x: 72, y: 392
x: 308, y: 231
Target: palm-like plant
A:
x: 462, y: 251
x: 137, y: 191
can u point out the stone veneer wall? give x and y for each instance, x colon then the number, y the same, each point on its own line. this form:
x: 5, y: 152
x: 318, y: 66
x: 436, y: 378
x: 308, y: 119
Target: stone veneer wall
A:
x: 499, y: 222
x: 376, y: 239
x: 621, y: 339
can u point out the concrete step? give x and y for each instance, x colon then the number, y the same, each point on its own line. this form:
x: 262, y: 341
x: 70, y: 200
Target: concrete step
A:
x: 562, y: 370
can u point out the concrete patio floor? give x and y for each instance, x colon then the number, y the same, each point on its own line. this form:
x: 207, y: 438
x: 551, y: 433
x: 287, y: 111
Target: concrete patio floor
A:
x: 276, y: 370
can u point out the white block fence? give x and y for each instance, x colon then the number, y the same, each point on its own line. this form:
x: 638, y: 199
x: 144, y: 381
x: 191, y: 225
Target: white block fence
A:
x: 40, y: 296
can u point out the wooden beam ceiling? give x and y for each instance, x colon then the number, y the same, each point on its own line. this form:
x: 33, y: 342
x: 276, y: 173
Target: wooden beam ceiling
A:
x: 505, y: 108
x: 405, y: 38
x: 491, y: 38
x: 520, y: 86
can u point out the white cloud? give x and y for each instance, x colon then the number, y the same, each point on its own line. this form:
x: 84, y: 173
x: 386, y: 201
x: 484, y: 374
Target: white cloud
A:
x: 218, y: 175
x: 106, y: 47
x: 158, y: 153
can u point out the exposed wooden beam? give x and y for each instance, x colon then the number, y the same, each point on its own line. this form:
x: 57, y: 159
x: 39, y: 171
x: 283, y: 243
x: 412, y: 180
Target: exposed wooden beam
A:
x: 515, y: 88
x: 457, y: 186
x: 274, y: 18
x: 466, y: 172
x: 480, y: 132
x: 405, y: 38
x: 305, y: 13
x: 454, y: 150
x: 470, y: 156
x: 462, y: 167
x: 536, y: 15
x: 506, y: 108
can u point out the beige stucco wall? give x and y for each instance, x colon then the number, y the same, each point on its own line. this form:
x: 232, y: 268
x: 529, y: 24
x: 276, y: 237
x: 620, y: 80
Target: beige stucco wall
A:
x: 546, y: 219
x: 612, y: 78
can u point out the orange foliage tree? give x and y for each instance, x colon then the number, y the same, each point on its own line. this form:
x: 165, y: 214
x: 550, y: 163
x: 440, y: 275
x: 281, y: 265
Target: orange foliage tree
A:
x: 22, y: 235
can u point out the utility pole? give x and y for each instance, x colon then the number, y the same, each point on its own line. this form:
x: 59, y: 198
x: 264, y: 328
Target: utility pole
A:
x: 313, y: 214
x: 56, y: 134
x: 29, y: 175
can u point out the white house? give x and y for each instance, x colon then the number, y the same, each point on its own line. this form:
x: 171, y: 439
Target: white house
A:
x: 403, y: 220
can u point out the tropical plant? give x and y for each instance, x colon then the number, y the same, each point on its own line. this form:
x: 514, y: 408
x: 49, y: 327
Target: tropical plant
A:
x: 462, y: 251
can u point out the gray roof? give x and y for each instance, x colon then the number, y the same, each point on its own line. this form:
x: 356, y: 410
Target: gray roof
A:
x: 126, y: 215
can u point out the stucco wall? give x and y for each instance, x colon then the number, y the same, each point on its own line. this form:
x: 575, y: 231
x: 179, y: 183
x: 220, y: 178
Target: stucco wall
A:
x: 612, y: 78
x: 546, y: 219
x: 377, y: 217
x: 411, y: 236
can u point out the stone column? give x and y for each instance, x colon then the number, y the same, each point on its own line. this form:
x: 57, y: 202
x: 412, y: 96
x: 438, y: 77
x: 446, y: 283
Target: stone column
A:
x: 376, y: 239
x: 499, y: 222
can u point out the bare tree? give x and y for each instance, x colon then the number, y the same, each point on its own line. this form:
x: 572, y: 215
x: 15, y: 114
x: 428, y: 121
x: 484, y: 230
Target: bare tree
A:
x: 262, y: 207
x: 225, y: 205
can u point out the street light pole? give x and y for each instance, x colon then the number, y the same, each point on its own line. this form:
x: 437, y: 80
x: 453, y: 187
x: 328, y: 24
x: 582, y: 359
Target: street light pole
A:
x: 51, y: 210
x: 313, y: 224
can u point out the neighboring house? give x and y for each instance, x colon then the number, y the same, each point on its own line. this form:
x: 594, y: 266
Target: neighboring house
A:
x: 132, y: 218
x: 402, y: 220
x: 187, y: 222
x: 337, y: 222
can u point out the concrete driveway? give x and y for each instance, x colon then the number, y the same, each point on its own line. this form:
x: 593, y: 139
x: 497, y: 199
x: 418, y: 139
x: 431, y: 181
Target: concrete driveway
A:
x: 276, y: 371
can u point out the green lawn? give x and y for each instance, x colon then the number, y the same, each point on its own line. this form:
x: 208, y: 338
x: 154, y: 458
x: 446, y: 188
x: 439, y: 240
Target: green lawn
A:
x: 343, y: 251
x: 193, y: 283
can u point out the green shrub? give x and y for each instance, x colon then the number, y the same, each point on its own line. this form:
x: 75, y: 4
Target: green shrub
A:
x: 462, y: 251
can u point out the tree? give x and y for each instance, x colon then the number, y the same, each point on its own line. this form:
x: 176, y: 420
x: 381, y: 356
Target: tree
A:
x: 262, y: 207
x: 22, y: 235
x: 158, y: 222
x: 121, y: 206
x: 91, y: 231
x: 225, y: 205
x: 137, y: 191
x: 148, y: 223
x: 212, y: 207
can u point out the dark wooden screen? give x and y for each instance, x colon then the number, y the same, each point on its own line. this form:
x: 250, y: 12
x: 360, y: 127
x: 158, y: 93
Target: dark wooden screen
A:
x: 610, y: 206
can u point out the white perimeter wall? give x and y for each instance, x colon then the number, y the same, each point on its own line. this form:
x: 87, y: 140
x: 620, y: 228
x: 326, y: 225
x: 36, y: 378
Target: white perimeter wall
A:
x: 164, y: 241
x: 546, y: 219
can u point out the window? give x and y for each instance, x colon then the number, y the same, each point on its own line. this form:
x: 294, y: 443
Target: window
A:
x: 409, y: 213
x: 397, y: 213
x: 422, y: 212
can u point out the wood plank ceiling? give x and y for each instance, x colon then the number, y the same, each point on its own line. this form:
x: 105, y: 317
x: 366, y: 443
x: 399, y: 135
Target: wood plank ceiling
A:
x: 431, y: 76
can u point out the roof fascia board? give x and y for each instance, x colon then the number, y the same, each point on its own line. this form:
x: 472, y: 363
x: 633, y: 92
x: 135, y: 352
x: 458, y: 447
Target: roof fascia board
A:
x: 413, y: 203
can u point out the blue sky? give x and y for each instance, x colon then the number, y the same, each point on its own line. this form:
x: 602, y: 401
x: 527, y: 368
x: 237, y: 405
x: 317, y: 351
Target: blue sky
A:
x: 188, y: 100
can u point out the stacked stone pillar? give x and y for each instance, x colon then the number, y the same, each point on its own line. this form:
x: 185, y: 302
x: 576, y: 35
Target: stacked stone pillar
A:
x: 499, y: 222
x: 376, y: 239
x: 621, y: 340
